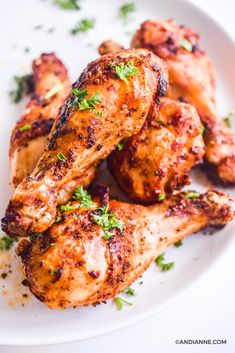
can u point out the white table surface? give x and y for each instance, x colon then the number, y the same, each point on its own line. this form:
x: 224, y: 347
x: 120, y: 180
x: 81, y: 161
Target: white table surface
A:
x: 206, y: 313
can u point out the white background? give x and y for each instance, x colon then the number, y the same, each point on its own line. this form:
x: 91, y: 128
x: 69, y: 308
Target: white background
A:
x: 207, y: 312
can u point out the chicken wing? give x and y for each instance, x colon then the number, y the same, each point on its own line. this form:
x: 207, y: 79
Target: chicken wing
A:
x: 30, y: 136
x: 74, y: 264
x: 109, y: 102
x: 157, y: 160
x: 192, y: 79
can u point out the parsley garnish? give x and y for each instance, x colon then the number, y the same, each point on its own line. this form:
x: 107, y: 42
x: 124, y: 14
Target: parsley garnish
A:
x: 120, y: 302
x: 25, y: 127
x: 161, y: 197
x: 107, y: 221
x: 52, y: 271
x: 120, y: 146
x: 7, y: 242
x: 84, y: 26
x: 67, y: 207
x: 56, y: 89
x: 126, y: 10
x: 227, y: 118
x: 202, y: 129
x: 83, y: 103
x: 130, y: 291
x: 123, y: 71
x: 84, y: 198
x: 54, y: 245
x: 192, y: 195
x: 61, y: 157
x: 184, y: 43
x: 163, y: 267
x: 68, y: 4
x: 178, y: 244
x: 21, y: 88
x: 99, y: 114
x: 58, y: 219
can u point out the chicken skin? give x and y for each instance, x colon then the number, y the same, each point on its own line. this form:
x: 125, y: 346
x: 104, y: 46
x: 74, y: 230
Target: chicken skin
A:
x: 109, y: 102
x: 192, y: 79
x: 30, y: 136
x: 156, y: 161
x: 74, y: 264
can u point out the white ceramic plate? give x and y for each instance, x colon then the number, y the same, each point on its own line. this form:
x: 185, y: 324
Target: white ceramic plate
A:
x: 33, y: 323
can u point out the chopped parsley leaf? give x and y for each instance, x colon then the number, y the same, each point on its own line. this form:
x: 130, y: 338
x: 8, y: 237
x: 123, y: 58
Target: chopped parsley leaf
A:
x: 123, y: 71
x: 90, y: 102
x: 52, y: 271
x: 202, y: 129
x: 130, y: 291
x: 83, y: 26
x: 126, y: 9
x: 7, y: 242
x: 227, y: 119
x: 107, y: 221
x: 163, y: 266
x: 192, y: 195
x: 58, y: 219
x: 67, y: 207
x: 54, y: 245
x: 21, y: 88
x: 161, y: 197
x: 120, y: 146
x: 120, y: 302
x: 99, y: 114
x: 178, y: 244
x: 85, y: 199
x: 68, y: 4
x: 25, y: 127
x: 185, y: 44
x: 56, y: 89
x: 61, y: 157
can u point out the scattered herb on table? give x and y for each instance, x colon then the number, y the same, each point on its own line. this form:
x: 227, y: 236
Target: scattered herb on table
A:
x: 7, y: 242
x: 130, y: 291
x: 68, y: 4
x: 120, y: 302
x: 82, y: 195
x: 25, y: 127
x: 21, y: 88
x: 37, y: 27
x: 83, y: 26
x: 185, y: 44
x: 178, y: 244
x: 123, y: 71
x: 107, y: 221
x: 163, y: 266
x: 125, y: 10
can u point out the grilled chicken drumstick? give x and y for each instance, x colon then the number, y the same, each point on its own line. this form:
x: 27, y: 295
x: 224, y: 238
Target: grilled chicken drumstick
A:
x: 157, y: 160
x: 74, y: 263
x: 109, y: 102
x: 29, y: 138
x: 192, y: 79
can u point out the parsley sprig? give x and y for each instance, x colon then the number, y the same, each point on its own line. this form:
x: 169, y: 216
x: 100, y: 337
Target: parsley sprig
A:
x: 125, y: 10
x: 123, y: 71
x: 25, y: 127
x: 67, y: 207
x: 7, y: 242
x: 83, y: 26
x: 120, y: 302
x: 68, y: 4
x: 163, y: 266
x: 185, y: 44
x: 21, y: 88
x: 85, y: 199
x: 82, y: 103
x: 107, y: 221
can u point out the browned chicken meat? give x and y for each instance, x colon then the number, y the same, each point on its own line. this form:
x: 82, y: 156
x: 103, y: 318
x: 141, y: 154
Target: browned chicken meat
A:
x: 29, y: 138
x: 109, y: 46
x: 157, y: 160
x: 109, y: 102
x: 80, y: 261
x: 192, y: 79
